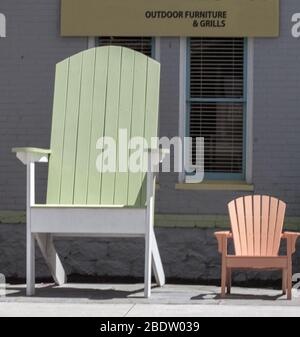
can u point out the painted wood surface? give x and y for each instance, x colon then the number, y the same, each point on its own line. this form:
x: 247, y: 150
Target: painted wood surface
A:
x: 256, y: 224
x: 97, y: 92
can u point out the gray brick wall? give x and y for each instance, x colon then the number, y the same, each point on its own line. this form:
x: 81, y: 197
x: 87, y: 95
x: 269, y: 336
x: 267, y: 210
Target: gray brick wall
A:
x: 188, y: 254
x: 27, y: 60
x: 277, y: 113
x: 276, y: 117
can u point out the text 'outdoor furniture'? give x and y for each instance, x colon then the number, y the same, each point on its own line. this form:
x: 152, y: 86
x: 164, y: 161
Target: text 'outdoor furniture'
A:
x: 256, y: 224
x: 97, y: 92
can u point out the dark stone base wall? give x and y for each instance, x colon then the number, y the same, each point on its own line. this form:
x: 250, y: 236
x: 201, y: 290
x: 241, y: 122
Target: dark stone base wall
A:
x: 189, y: 255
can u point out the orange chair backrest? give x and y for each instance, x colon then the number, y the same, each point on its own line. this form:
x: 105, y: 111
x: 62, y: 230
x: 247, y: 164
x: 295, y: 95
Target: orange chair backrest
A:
x: 256, y: 223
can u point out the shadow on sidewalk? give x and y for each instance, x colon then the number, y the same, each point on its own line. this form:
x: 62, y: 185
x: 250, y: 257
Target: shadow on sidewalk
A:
x: 53, y: 291
x: 237, y: 297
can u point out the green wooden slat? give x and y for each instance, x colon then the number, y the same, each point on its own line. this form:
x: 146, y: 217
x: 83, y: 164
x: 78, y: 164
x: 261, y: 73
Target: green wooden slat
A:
x: 125, y: 107
x: 84, y: 127
x: 111, y: 118
x: 57, y: 132
x: 137, y: 124
x: 152, y: 100
x: 151, y: 118
x: 70, y: 136
x: 98, y: 118
x: 96, y: 93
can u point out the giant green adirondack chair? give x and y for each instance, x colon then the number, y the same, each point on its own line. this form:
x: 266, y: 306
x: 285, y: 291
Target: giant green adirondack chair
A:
x: 97, y: 92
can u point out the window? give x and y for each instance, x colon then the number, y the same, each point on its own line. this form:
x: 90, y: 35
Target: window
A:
x: 144, y: 45
x: 216, y: 104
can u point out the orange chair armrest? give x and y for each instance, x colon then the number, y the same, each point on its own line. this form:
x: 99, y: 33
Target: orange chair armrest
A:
x: 291, y: 238
x: 222, y: 234
x: 222, y: 238
x: 286, y: 235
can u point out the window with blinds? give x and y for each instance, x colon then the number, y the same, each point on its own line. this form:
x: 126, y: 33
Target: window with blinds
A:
x: 217, y: 103
x: 144, y: 45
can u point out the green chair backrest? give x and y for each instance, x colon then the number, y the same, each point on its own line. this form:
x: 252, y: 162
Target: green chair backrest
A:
x: 97, y: 92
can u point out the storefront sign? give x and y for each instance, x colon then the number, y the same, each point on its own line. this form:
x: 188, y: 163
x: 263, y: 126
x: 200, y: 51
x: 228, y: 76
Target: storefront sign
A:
x: 2, y: 25
x: 296, y: 25
x: 232, y: 18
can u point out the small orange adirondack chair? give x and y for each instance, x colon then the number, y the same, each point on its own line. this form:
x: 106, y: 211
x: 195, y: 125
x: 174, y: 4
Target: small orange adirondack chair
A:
x: 256, y: 224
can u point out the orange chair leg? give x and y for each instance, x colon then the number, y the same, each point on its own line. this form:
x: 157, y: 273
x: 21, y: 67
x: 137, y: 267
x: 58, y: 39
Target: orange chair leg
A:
x: 289, y: 280
x: 223, y: 279
x: 284, y: 281
x: 228, y: 280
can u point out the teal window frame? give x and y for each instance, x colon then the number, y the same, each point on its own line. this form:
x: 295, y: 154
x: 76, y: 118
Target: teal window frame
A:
x: 210, y: 176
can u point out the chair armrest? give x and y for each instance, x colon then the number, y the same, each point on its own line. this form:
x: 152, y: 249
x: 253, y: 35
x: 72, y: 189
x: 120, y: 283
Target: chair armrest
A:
x: 222, y: 238
x: 31, y: 154
x: 291, y: 238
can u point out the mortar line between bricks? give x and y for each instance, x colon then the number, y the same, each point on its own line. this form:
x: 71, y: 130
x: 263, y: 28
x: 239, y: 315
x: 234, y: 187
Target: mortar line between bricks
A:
x: 126, y: 313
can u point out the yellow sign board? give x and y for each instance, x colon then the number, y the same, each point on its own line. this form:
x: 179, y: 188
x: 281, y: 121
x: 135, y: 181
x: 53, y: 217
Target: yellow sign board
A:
x: 234, y: 18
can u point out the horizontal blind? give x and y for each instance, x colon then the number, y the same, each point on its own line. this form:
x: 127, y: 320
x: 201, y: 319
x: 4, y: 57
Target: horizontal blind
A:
x: 216, y: 101
x: 141, y: 44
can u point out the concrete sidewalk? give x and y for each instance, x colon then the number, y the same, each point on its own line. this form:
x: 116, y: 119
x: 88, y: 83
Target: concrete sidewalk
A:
x: 125, y: 300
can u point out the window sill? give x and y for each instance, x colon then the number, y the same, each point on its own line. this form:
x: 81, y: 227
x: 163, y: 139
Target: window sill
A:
x: 216, y: 186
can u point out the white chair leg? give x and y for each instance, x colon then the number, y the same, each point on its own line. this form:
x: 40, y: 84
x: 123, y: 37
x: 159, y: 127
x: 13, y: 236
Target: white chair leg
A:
x: 148, y: 258
x: 30, y: 239
x: 157, y: 265
x: 30, y: 264
x: 45, y: 242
